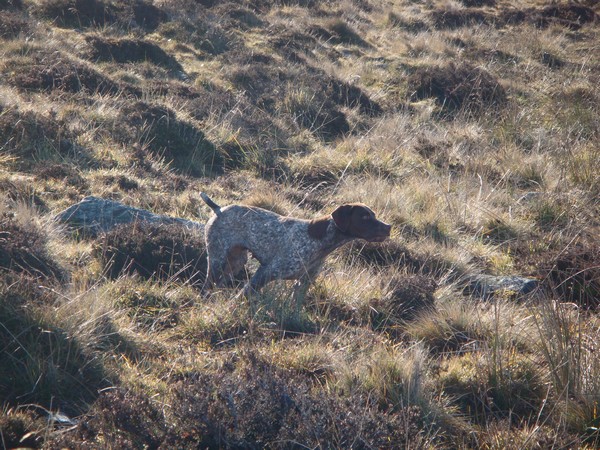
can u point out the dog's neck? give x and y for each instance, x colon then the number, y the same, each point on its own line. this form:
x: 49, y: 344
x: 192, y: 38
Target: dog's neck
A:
x: 327, y: 233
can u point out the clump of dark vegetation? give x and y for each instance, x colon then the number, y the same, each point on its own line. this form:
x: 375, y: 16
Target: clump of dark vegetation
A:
x: 310, y: 99
x: 456, y: 88
x: 32, y: 138
x: 382, y: 255
x: 256, y: 136
x: 319, y: 115
x: 497, y: 231
x: 20, y: 192
x: 272, y: 406
x: 257, y: 75
x: 118, y: 419
x: 239, y: 16
x: 47, y: 72
x: 148, y: 304
x: 574, y: 274
x: 410, y: 296
x: 179, y: 142
x: 338, y: 31
x: 11, y: 4
x: 486, y: 392
x: 98, y: 13
x: 293, y: 43
x: 76, y: 13
x: 391, y: 253
x: 16, y: 429
x: 250, y: 404
x: 456, y: 18
x: 203, y: 34
x: 572, y: 16
x: 345, y: 94
x: 12, y: 25
x: 62, y: 172
x: 409, y: 24
x: 552, y: 61
x: 152, y: 312
x: 23, y: 250
x: 130, y: 50
x: 153, y: 251
x: 145, y: 14
x: 478, y: 3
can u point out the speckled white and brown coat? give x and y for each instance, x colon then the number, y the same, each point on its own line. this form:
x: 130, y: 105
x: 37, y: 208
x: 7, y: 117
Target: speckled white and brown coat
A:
x: 286, y: 247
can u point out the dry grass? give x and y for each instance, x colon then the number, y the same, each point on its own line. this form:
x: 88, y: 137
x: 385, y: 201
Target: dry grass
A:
x: 471, y: 126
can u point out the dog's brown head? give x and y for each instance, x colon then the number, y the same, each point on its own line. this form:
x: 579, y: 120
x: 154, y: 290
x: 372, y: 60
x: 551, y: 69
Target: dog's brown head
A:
x: 358, y: 220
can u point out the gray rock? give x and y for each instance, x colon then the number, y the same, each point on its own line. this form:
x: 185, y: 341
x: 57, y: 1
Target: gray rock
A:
x: 486, y: 286
x: 94, y: 215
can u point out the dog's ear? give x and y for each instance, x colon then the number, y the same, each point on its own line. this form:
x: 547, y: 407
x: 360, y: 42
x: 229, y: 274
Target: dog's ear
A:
x: 341, y: 217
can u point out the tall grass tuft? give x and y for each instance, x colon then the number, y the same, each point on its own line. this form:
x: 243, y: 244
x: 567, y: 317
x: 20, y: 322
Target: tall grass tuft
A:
x: 568, y: 344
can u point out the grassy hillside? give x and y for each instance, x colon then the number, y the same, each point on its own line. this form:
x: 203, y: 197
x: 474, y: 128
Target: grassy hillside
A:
x: 472, y: 126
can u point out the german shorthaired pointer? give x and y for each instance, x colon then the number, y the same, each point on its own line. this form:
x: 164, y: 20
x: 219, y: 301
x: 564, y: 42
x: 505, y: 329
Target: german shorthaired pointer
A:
x: 286, y: 247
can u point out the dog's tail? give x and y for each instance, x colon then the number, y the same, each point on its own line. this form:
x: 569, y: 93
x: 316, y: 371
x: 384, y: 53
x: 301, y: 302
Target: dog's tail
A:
x: 216, y: 208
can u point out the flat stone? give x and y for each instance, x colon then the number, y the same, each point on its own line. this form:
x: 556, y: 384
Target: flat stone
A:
x: 486, y: 286
x: 94, y: 215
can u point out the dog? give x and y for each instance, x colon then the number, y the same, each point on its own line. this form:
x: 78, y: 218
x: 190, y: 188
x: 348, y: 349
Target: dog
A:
x: 287, y: 248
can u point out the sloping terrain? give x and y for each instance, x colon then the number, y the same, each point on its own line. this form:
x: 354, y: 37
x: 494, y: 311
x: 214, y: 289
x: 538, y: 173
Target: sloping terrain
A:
x: 473, y: 127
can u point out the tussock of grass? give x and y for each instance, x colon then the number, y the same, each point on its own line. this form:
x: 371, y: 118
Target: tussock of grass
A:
x: 31, y: 71
x: 458, y: 87
x: 153, y: 251
x: 222, y: 322
x: 164, y: 135
x: 32, y: 139
x: 500, y: 387
x: 23, y: 249
x: 129, y: 50
x: 151, y: 306
x: 43, y: 361
x: 395, y: 377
